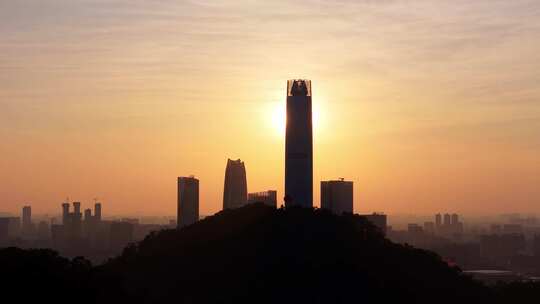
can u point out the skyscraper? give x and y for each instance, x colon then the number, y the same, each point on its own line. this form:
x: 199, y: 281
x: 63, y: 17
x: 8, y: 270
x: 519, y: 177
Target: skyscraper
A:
x: 26, y: 219
x: 97, y: 211
x: 446, y: 219
x: 65, y: 213
x: 337, y: 196
x: 299, y: 145
x: 235, y: 189
x: 188, y: 201
x: 455, y: 219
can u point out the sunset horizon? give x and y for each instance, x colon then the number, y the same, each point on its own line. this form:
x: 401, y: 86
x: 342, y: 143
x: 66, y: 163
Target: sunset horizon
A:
x: 426, y: 107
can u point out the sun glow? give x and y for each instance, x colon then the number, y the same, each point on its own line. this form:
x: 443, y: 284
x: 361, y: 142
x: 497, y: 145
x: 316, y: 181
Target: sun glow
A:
x: 278, y: 118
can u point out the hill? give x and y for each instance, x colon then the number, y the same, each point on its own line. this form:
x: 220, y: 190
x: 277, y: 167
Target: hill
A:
x: 255, y: 254
x: 264, y: 255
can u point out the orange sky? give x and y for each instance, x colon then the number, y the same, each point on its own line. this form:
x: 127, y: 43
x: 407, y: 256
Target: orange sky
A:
x: 428, y: 106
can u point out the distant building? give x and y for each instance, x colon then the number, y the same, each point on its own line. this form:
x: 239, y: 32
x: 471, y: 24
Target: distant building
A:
x: 58, y: 236
x: 188, y: 201
x: 536, y: 245
x: 512, y: 229
x: 454, y: 219
x: 72, y: 221
x: 4, y: 231
x: 235, y: 189
x: 450, y: 226
x: 447, y: 220
x: 28, y: 229
x: 337, y: 196
x: 502, y: 246
x: 65, y: 213
x: 299, y: 145
x: 13, y: 229
x: 414, y: 228
x: 133, y: 221
x: 97, y: 211
x: 266, y: 197
x: 438, y: 220
x: 379, y: 220
x: 87, y: 215
x: 26, y: 217
x: 43, y: 231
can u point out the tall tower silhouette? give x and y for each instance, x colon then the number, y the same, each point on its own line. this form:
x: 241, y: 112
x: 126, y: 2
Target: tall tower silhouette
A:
x: 299, y: 145
x: 235, y: 189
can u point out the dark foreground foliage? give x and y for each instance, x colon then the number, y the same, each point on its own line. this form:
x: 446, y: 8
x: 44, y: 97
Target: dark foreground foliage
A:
x: 260, y: 255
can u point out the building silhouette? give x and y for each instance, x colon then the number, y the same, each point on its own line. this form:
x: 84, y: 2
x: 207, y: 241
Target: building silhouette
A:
x: 446, y: 219
x: 72, y: 221
x: 266, y: 197
x: 97, y: 211
x: 438, y: 220
x: 299, y: 145
x: 4, y: 231
x: 91, y: 223
x: 26, y: 217
x: 448, y: 225
x: 188, y: 201
x: 235, y: 188
x: 28, y: 229
x: 337, y: 196
x: 454, y: 219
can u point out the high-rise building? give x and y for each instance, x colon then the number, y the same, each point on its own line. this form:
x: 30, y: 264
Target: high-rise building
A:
x: 28, y: 229
x: 438, y: 220
x: 337, y: 196
x: 188, y: 201
x: 235, y: 189
x: 26, y: 217
x: 97, y: 211
x: 10, y: 227
x: 4, y: 231
x: 77, y: 208
x: 266, y: 197
x: 88, y: 215
x: 72, y: 221
x: 65, y: 213
x: 446, y: 219
x: 299, y: 145
x: 455, y: 219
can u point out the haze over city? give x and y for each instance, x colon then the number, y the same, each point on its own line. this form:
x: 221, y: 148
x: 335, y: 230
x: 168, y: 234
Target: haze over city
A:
x: 428, y: 106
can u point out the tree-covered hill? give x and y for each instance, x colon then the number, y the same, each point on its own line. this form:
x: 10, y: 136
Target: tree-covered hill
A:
x: 254, y: 254
x: 260, y: 254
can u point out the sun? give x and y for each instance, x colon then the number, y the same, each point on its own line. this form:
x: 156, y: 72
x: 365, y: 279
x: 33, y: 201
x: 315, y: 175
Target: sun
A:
x: 278, y: 118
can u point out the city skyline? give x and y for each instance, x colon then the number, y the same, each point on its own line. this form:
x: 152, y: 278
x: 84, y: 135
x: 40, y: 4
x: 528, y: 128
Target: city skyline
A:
x: 423, y: 106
